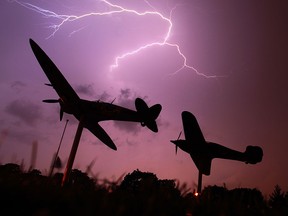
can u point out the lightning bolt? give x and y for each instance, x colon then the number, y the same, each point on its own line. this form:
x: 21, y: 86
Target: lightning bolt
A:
x: 118, y: 9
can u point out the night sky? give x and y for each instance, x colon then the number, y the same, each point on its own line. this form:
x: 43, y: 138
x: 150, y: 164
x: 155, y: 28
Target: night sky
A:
x: 224, y: 61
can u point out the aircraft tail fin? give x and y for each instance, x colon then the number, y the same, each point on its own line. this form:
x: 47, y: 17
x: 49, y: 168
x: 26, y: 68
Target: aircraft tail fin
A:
x: 148, y: 115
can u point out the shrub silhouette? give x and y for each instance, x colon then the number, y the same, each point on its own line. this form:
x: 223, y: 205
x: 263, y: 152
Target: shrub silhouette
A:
x: 278, y: 201
x: 150, y: 196
x: 140, y: 193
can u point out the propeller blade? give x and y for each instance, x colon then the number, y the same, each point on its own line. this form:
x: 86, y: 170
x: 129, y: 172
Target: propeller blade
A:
x: 176, y: 146
x: 61, y: 114
x: 55, y: 101
x: 51, y: 101
x: 179, y: 135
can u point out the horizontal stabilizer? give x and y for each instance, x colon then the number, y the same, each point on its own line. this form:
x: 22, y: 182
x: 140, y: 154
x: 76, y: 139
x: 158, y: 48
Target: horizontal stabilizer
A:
x: 148, y: 115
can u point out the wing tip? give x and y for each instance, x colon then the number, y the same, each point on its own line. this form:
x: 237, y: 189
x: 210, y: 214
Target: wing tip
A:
x: 32, y: 43
x: 186, y: 114
x: 113, y: 147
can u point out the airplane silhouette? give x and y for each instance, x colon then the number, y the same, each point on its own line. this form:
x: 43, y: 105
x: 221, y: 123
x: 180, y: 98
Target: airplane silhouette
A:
x: 92, y: 112
x: 202, y: 152
x: 89, y: 113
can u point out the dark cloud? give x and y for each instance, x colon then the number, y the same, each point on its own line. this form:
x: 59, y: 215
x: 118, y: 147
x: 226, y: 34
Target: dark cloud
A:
x: 104, y: 96
x: 125, y: 93
x: 25, y: 110
x: 131, y: 142
x: 85, y: 89
x: 18, y: 86
x: 127, y: 99
x: 25, y: 135
x: 131, y: 127
x: 3, y: 134
x: 162, y: 123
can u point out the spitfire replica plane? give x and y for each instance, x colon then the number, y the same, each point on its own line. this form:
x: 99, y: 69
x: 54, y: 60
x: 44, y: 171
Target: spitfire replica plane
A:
x: 202, y: 152
x: 89, y: 113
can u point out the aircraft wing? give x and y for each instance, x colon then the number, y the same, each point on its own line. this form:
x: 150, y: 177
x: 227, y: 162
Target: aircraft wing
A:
x: 203, y: 163
x: 195, y: 138
x: 100, y: 133
x: 57, y: 80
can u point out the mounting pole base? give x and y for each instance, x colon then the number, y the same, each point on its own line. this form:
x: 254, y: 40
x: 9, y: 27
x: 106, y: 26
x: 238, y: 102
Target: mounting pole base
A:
x: 72, y: 154
x: 199, y: 188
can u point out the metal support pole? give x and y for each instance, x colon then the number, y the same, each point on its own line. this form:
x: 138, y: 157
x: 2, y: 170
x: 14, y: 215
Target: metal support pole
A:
x: 199, y: 188
x: 72, y: 153
x: 57, y: 152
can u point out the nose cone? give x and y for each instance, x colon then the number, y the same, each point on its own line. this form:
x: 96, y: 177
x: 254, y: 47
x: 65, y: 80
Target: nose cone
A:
x: 176, y: 144
x: 174, y: 141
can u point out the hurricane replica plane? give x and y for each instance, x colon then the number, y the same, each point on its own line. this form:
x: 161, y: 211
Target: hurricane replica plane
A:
x: 89, y: 113
x: 202, y: 152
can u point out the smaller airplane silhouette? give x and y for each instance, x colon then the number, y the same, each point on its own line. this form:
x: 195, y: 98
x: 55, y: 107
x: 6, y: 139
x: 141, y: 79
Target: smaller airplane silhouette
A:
x: 89, y: 113
x: 202, y: 152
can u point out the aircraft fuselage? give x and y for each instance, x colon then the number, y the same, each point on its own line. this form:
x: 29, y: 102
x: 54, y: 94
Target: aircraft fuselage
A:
x: 100, y: 111
x: 211, y: 150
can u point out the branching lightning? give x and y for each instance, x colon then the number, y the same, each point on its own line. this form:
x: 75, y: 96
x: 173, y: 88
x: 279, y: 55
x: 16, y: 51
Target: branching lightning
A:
x: 117, y: 9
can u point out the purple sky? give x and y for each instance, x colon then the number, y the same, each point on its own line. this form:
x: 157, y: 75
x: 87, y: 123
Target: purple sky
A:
x: 241, y: 45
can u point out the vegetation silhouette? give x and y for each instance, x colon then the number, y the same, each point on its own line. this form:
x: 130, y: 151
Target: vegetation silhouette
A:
x: 139, y: 193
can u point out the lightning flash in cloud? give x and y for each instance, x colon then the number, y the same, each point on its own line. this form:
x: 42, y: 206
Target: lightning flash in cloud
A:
x: 118, y: 9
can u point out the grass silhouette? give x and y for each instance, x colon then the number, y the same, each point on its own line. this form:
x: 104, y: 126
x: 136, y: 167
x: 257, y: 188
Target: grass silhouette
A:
x: 139, y: 193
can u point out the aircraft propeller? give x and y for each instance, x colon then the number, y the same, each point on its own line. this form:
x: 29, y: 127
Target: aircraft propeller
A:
x: 55, y: 101
x: 176, y: 146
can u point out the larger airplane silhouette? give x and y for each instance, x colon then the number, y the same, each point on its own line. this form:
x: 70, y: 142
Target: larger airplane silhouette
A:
x: 202, y: 152
x: 89, y: 113
x: 92, y: 112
